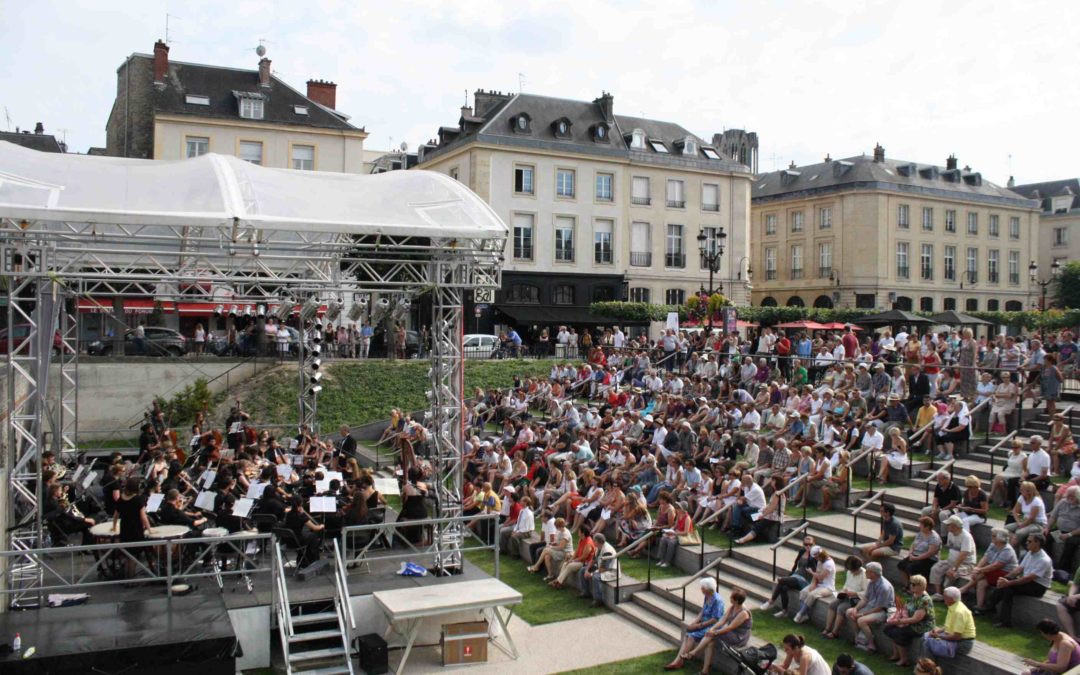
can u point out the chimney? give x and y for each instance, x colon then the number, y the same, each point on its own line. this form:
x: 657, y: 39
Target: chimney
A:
x: 879, y: 153
x: 1012, y: 183
x: 161, y: 61
x: 264, y: 72
x: 322, y: 92
x: 950, y: 163
x: 466, y: 111
x: 39, y: 128
x: 486, y: 101
x: 607, y: 106
x: 792, y: 167
x: 827, y: 158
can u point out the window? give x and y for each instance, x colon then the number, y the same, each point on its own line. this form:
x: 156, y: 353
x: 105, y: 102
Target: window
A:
x: 972, y: 265
x: 638, y: 294
x: 902, y: 260
x: 950, y: 220
x: 770, y: 223
x: 710, y: 197
x: 603, y: 294
x: 251, y: 151
x: 640, y: 245
x: 1013, y: 306
x: 251, y: 108
x: 303, y: 157
x: 712, y: 244
x: 675, y: 296
x: 1014, y: 267
x: 637, y: 140
x: 603, y: 230
x: 992, y: 259
x: 299, y: 109
x: 770, y: 264
x: 563, y: 295
x: 196, y: 99
x: 521, y: 124
x: 564, y: 183
x: 676, y: 198
x: 710, y: 153
x: 971, y: 305
x: 824, y: 256
x: 1014, y: 228
x: 973, y: 223
x: 605, y: 190
x: 865, y: 300
x: 926, y: 262
x: 523, y: 235
x: 674, y: 255
x: 903, y: 213
x: 658, y: 146
x: 454, y: 173
x: 1061, y: 236
x: 797, y: 261
x: 992, y: 305
x: 797, y: 221
x: 928, y: 219
x: 950, y: 263
x: 197, y: 146
x: 950, y: 304
x: 564, y: 239
x: 526, y: 294
x: 639, y: 195
x: 825, y: 218
x: 523, y: 180
x: 995, y: 225
x: 690, y: 147
x: 926, y: 304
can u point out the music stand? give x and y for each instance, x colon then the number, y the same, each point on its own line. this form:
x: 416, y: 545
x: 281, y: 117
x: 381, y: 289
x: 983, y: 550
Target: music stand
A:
x: 153, y: 502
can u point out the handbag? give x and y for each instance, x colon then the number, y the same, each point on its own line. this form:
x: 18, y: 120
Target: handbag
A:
x: 690, y: 539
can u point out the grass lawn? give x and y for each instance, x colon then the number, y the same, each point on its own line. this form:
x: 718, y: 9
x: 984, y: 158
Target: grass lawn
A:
x: 540, y: 603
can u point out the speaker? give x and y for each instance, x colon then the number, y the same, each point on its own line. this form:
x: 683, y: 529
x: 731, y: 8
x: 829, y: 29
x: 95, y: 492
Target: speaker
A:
x: 373, y: 656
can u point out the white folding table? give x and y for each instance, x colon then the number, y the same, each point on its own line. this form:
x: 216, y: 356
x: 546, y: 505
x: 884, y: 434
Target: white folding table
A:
x: 406, y: 608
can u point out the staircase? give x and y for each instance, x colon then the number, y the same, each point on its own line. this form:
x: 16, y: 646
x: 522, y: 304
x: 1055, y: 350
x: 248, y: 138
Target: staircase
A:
x: 314, y: 636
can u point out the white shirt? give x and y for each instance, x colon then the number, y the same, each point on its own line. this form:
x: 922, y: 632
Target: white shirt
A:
x: 901, y: 339
x: 526, y: 521
x: 830, y: 574
x: 1038, y: 462
x: 751, y: 420
x: 619, y: 339
x: 563, y: 337
x: 549, y: 531
x: 755, y: 496
x: 872, y: 440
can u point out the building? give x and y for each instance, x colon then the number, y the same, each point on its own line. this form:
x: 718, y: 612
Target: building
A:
x: 1059, y: 222
x: 173, y: 110
x: 877, y: 233
x: 601, y: 206
x: 38, y: 140
x: 395, y: 160
x: 739, y: 145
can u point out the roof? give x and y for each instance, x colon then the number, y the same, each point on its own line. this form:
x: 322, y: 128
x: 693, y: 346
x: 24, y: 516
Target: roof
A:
x: 222, y: 86
x: 863, y: 172
x: 214, y: 189
x: 1045, y: 192
x: 40, y: 142
x: 544, y: 112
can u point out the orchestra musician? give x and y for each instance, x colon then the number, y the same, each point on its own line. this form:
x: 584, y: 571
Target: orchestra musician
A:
x: 172, y: 512
x: 234, y: 427
x: 62, y: 517
x: 307, y: 531
x: 148, y: 442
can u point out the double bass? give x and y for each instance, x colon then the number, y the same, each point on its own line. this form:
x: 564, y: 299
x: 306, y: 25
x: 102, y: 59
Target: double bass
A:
x: 212, y: 440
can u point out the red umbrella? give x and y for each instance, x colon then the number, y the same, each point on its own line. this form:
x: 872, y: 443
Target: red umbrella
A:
x: 804, y: 324
x: 836, y: 325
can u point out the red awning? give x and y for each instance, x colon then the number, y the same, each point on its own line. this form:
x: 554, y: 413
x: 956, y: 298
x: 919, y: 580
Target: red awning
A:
x: 146, y: 306
x: 131, y: 306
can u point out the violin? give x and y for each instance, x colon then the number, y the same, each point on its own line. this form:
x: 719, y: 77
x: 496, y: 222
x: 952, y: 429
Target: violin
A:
x: 213, y: 440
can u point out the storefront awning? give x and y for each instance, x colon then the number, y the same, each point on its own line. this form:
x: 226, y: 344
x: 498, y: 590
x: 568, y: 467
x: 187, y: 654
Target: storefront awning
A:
x: 550, y: 316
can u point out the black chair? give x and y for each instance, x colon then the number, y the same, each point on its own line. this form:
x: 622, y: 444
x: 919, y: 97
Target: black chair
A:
x: 264, y: 522
x: 290, y: 541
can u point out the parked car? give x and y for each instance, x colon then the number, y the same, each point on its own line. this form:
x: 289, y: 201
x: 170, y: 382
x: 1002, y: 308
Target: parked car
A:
x: 480, y: 346
x: 378, y: 344
x: 21, y: 332
x: 159, y: 342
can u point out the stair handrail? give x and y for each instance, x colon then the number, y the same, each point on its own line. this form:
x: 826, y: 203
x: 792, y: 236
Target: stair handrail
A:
x: 342, y: 585
x: 1008, y: 437
x: 701, y: 529
x: 880, y: 494
x: 937, y: 472
x: 618, y: 554
x: 283, y: 591
x: 783, y: 540
x: 697, y: 575
x: 971, y: 423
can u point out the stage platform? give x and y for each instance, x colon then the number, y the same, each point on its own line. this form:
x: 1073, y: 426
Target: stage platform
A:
x: 158, y: 635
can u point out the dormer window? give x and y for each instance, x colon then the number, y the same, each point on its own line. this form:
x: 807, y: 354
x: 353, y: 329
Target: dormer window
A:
x: 711, y: 153
x: 637, y: 139
x: 600, y: 133
x: 252, y: 104
x: 658, y: 146
x: 521, y: 123
x: 689, y: 147
x: 196, y: 99
x: 300, y: 109
x: 561, y: 128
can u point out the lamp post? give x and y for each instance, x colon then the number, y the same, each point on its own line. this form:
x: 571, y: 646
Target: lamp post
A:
x: 711, y: 255
x: 1033, y: 271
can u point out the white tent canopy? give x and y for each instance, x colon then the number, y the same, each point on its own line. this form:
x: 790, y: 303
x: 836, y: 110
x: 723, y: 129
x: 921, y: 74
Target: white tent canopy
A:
x: 215, y: 190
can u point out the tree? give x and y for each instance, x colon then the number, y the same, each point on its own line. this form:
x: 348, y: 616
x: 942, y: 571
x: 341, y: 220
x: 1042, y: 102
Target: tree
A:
x: 1067, y: 287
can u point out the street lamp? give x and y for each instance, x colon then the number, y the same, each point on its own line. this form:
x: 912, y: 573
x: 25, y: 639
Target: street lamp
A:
x: 1033, y: 271
x: 712, y: 249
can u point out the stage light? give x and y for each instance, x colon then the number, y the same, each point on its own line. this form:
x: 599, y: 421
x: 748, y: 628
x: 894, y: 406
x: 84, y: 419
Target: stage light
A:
x: 333, y: 309
x: 248, y: 311
x: 315, y: 363
x: 355, y: 312
x: 261, y: 311
x: 284, y: 310
x: 234, y: 310
x: 219, y: 310
x: 309, y: 309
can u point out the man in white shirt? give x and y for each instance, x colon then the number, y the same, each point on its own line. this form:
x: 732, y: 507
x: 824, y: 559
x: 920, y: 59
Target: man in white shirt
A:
x: 1038, y: 464
x: 872, y: 438
x: 620, y: 338
x: 901, y: 339
x: 751, y: 502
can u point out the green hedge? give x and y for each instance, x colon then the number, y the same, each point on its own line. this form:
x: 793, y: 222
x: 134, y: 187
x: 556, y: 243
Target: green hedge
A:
x: 767, y: 316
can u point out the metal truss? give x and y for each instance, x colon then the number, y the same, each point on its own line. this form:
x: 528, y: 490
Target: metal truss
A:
x: 43, y: 260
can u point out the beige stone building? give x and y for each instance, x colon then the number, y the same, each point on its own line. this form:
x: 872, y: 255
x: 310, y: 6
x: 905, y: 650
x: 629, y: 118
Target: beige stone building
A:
x: 174, y: 110
x: 877, y: 233
x: 600, y: 206
x: 1059, y: 222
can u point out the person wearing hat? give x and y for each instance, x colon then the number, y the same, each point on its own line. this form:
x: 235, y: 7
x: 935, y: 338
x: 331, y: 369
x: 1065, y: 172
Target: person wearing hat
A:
x: 961, y: 559
x: 681, y: 532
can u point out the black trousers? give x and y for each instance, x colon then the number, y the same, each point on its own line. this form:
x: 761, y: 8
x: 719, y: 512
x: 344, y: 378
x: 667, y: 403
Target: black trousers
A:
x: 1067, y: 557
x: 1004, y: 598
x: 784, y: 584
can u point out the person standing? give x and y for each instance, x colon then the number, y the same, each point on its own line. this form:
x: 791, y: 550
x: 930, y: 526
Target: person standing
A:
x: 199, y: 339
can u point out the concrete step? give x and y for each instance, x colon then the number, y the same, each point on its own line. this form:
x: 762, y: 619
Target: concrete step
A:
x: 318, y: 617
x: 315, y: 635
x: 644, y: 617
x: 664, y: 607
x: 328, y: 670
x: 317, y: 654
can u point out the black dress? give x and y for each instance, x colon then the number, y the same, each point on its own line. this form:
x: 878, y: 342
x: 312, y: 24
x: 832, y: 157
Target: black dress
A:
x: 131, y: 526
x: 413, y: 508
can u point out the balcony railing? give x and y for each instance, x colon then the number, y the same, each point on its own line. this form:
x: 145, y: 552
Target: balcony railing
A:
x: 824, y: 272
x: 676, y: 203
x: 903, y: 272
x: 676, y: 260
x: 710, y: 207
x: 564, y: 255
x: 641, y: 201
x: 797, y: 273
x: 640, y: 259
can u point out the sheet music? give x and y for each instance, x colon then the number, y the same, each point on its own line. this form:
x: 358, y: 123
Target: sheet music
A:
x: 284, y: 471
x: 205, y: 501
x: 293, y: 444
x: 79, y: 473
x: 207, y: 479
x: 153, y: 503
x: 387, y: 486
x: 255, y: 490
x: 332, y: 475
x: 322, y: 485
x: 236, y: 428
x: 242, y: 507
x: 323, y: 505
x: 88, y: 480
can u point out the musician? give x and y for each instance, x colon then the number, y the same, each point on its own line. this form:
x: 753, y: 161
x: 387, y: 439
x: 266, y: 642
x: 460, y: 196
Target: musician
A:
x: 48, y: 462
x: 111, y: 486
x: 148, y: 442
x: 172, y: 512
x: 196, y: 438
x: 234, y: 426
x: 157, y: 418
x: 62, y: 517
x: 227, y: 519
x: 159, y: 468
x: 272, y: 502
x: 348, y: 443
x: 131, y: 516
x: 364, y: 501
x: 275, y: 454
x: 307, y: 531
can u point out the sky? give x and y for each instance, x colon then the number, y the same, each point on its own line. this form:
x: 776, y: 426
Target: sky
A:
x: 994, y: 83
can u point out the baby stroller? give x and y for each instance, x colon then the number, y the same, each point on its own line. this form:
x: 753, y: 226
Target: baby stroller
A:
x: 754, y: 660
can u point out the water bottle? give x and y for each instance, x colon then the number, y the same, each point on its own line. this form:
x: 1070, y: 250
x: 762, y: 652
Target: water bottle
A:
x: 17, y: 645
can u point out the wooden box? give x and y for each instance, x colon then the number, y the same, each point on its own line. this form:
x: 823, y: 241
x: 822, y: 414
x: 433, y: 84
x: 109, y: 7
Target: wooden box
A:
x: 464, y: 643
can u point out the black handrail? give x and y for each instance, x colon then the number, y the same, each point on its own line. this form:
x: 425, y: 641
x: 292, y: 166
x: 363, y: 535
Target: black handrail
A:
x: 618, y: 563
x: 855, y: 515
x: 700, y: 573
x: 785, y: 539
x: 1008, y: 437
x: 933, y: 476
x: 701, y: 530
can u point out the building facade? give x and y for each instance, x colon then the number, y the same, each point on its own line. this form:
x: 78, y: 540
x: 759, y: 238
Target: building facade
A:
x: 877, y: 233
x: 173, y: 110
x: 600, y: 206
x: 1059, y: 221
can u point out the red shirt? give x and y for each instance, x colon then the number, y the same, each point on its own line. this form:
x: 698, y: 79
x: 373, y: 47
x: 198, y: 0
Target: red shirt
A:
x: 783, y: 346
x: 930, y: 363
x: 851, y: 344
x: 515, y: 510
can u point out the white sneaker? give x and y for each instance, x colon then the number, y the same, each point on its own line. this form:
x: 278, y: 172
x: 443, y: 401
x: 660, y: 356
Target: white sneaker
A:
x: 801, y: 618
x: 765, y: 606
x: 780, y: 614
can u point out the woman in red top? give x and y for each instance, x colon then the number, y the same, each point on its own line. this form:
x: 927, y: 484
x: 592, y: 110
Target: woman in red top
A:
x: 586, y: 551
x: 932, y: 368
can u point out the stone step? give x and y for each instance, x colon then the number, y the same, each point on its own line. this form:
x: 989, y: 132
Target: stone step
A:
x: 317, y: 654
x: 664, y: 607
x: 642, y: 616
